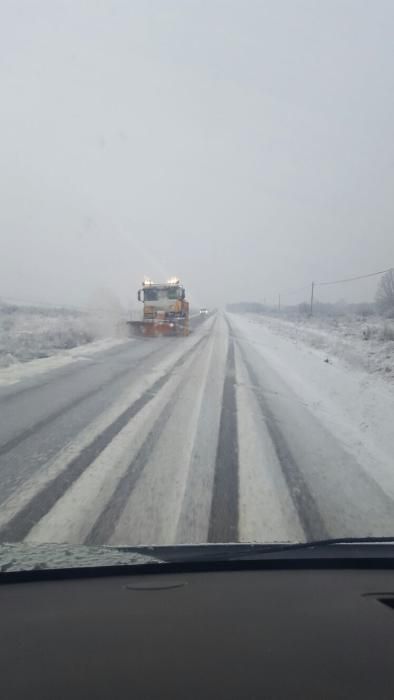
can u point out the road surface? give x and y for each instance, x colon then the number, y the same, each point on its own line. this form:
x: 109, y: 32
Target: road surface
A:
x: 180, y: 440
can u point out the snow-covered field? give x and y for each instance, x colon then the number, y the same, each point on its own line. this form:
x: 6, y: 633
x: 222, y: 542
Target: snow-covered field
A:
x: 349, y: 340
x: 32, y: 333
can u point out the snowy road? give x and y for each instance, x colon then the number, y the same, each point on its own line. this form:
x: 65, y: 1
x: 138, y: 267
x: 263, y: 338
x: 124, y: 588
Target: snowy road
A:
x: 231, y: 434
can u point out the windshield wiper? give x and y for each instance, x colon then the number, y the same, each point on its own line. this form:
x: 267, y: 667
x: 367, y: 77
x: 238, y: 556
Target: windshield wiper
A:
x: 227, y: 552
x: 316, y: 546
x: 23, y: 557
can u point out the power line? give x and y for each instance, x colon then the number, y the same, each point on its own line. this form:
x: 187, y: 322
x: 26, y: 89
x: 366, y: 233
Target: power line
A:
x: 323, y: 284
x: 352, y: 279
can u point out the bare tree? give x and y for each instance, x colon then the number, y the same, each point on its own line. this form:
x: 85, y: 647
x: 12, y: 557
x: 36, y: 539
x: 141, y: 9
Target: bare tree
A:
x: 385, y: 294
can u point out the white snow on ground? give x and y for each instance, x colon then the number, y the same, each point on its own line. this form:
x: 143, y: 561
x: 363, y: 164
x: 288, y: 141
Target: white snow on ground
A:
x: 361, y: 344
x: 37, y: 339
x: 28, y: 333
x: 355, y: 406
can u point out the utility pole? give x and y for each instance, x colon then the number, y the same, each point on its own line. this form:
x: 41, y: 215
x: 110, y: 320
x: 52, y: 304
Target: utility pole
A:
x: 312, y: 292
x: 278, y: 302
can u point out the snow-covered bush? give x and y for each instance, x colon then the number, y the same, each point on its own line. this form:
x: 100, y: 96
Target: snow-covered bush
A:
x: 385, y: 294
x: 28, y: 333
x: 387, y: 332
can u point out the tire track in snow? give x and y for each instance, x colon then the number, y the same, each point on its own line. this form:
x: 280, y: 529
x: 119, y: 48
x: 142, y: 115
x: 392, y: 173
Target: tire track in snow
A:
x: 308, y: 512
x: 105, y: 524
x: 45, y: 422
x: 266, y: 510
x: 27, y: 385
x: 22, y: 522
x: 18, y: 439
x: 195, y: 508
x: 223, y: 526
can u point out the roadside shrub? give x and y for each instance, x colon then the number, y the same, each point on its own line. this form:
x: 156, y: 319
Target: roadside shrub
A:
x: 387, y: 332
x: 385, y: 294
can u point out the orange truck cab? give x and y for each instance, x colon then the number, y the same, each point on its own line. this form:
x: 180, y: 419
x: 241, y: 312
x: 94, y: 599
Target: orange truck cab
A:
x: 166, y: 311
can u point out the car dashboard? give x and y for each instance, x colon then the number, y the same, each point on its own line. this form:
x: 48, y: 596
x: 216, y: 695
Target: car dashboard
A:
x: 281, y: 630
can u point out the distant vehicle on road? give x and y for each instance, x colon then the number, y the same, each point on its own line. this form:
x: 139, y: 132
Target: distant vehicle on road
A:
x: 203, y: 312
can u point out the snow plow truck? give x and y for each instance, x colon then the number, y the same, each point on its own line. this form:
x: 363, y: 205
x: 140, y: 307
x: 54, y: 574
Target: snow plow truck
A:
x: 165, y: 312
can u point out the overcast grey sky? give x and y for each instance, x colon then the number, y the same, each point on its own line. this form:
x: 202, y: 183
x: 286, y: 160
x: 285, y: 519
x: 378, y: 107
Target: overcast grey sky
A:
x: 246, y: 146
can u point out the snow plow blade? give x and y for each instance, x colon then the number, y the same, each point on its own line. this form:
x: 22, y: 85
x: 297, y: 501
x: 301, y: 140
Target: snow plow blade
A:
x: 158, y: 328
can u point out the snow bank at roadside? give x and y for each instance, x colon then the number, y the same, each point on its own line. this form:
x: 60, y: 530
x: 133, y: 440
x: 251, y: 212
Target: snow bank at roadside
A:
x: 29, y: 333
x: 367, y: 345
